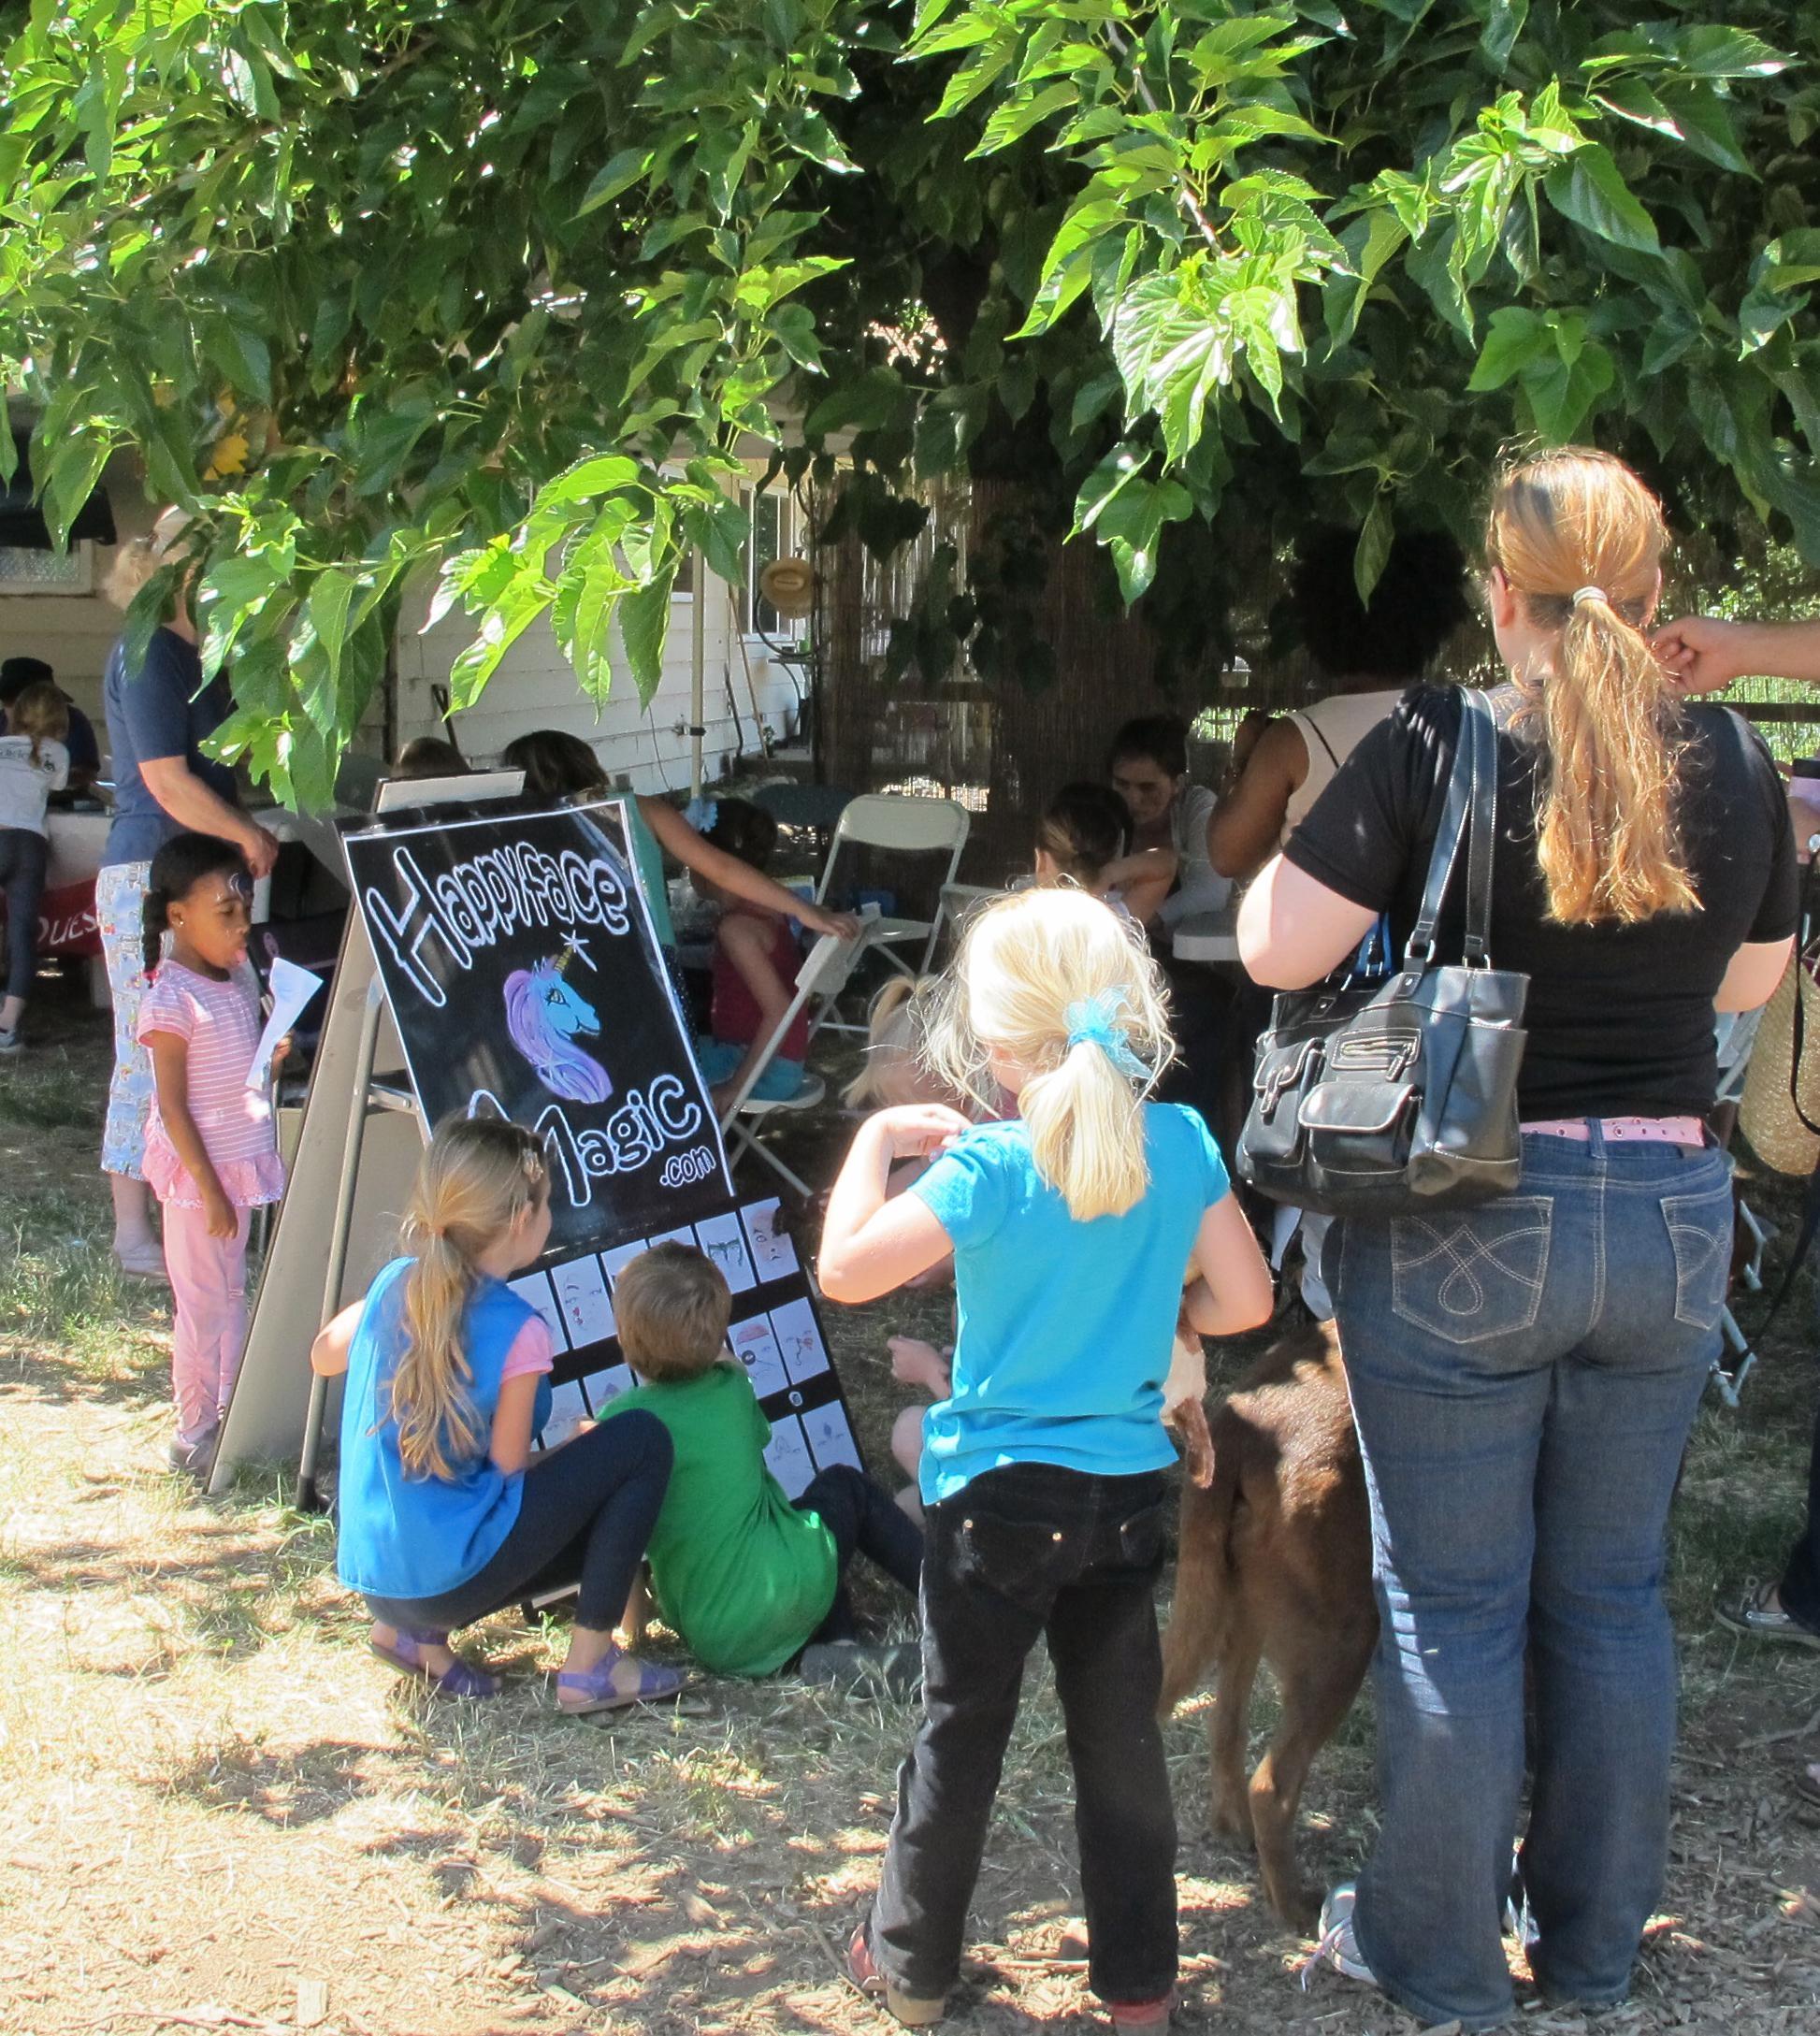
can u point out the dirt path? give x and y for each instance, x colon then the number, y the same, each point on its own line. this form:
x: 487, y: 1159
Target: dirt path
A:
x: 217, y: 1812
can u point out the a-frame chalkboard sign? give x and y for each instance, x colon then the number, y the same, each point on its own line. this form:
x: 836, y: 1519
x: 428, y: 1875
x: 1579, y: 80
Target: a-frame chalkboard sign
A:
x: 502, y: 958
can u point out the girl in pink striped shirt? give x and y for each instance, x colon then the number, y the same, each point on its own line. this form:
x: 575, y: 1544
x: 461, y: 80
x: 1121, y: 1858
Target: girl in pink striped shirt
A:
x: 212, y: 1151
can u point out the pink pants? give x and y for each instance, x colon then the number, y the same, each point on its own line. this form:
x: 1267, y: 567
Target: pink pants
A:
x: 209, y: 1287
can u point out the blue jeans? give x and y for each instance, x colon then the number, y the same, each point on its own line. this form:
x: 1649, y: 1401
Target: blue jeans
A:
x: 1523, y: 1376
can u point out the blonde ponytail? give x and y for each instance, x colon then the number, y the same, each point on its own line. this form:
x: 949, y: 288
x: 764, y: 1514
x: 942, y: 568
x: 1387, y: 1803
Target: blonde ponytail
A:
x: 1579, y: 539
x: 476, y: 1179
x: 1063, y: 989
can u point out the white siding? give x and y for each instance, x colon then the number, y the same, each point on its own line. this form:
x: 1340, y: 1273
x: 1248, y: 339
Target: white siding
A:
x: 535, y: 686
x: 73, y: 633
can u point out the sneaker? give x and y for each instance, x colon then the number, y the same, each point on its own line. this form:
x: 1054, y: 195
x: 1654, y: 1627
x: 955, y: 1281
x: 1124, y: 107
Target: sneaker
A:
x: 10, y: 1039
x: 915, y: 2010
x: 1757, y: 1619
x: 864, y: 1668
x: 193, y: 1459
x: 1338, y: 1947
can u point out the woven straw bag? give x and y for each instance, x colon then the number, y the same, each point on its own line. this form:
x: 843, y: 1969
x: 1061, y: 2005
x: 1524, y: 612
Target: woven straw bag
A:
x: 1780, y: 1109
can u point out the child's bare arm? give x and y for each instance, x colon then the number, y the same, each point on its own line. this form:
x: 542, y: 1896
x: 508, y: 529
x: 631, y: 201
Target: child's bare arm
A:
x: 510, y: 1445
x: 1232, y: 1292
x: 328, y: 1354
x: 872, y: 1243
x: 170, y: 1069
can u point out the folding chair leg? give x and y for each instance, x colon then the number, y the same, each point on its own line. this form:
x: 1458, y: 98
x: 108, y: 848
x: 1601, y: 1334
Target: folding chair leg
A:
x: 747, y: 1141
x: 1729, y: 1379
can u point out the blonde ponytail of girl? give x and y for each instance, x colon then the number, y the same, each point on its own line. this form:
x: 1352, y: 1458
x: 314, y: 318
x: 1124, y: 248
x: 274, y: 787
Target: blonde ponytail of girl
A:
x: 477, y: 1177
x: 1579, y: 539
x: 1063, y: 987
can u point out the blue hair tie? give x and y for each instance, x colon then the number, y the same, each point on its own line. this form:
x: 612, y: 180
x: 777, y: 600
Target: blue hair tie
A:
x: 1093, y: 1021
x: 701, y: 813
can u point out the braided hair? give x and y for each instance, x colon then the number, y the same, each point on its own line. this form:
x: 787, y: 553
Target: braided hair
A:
x: 177, y: 869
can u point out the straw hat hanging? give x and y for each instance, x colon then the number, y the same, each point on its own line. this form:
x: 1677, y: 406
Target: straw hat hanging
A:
x: 1781, y: 1103
x: 790, y: 586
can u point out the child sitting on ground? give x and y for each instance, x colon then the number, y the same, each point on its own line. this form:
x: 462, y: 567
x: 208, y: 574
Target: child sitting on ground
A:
x: 755, y: 962
x: 748, y: 1579
x: 1084, y: 838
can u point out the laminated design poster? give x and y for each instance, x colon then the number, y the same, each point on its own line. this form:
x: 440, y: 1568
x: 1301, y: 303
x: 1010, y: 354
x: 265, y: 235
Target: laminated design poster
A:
x: 775, y: 1334
x: 525, y: 980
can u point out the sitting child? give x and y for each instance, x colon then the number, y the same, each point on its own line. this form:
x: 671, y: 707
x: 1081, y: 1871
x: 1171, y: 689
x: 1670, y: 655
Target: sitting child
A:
x: 756, y: 962
x: 1084, y: 838
x: 746, y: 1578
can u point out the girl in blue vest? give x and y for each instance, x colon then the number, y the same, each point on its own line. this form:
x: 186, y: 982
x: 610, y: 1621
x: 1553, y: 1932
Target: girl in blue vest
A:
x: 444, y: 1515
x: 1073, y: 1224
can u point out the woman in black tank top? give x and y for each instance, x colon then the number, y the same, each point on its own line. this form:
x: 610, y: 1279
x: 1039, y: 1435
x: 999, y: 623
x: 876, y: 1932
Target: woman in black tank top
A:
x: 1524, y: 1373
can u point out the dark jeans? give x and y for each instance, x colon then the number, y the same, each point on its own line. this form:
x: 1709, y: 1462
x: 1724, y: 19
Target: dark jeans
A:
x: 24, y: 856
x: 1523, y: 1376
x: 1800, y: 1588
x: 585, y: 1517
x: 867, y: 1520
x: 1025, y: 1550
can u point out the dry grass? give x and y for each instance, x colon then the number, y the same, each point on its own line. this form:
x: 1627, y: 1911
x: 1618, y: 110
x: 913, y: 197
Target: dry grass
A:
x: 217, y: 1811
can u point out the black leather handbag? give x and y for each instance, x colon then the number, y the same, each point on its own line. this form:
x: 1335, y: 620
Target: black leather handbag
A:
x: 1383, y: 1098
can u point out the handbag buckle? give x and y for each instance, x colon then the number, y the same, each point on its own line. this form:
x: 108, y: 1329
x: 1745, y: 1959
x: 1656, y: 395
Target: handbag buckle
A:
x: 1283, y: 1075
x: 1388, y: 1054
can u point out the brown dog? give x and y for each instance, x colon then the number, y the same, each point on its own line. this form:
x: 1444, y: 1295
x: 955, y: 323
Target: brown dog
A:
x: 1276, y: 1564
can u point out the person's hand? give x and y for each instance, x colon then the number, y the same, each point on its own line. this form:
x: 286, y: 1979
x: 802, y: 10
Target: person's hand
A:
x: 260, y: 848
x: 721, y: 1094
x: 224, y: 1218
x: 914, y: 1131
x: 915, y: 1363
x: 1700, y: 653
x: 843, y: 925
x: 279, y: 1051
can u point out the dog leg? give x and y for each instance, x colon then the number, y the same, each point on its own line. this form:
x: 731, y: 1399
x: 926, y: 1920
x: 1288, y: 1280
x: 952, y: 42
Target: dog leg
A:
x: 1318, y: 1688
x: 1228, y: 1730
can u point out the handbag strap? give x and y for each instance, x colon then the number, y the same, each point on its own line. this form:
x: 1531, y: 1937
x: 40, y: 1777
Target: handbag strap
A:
x: 1469, y: 812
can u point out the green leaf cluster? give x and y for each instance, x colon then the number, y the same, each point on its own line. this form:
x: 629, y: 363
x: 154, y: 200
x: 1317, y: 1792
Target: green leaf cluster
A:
x: 503, y: 293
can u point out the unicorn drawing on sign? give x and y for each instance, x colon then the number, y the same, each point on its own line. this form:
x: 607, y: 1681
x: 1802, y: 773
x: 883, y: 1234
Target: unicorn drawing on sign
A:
x: 545, y: 1014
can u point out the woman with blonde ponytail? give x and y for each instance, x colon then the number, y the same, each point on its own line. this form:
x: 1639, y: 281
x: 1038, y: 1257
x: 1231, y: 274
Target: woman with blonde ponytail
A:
x: 1524, y: 1373
x: 1073, y: 1224
x: 445, y: 1515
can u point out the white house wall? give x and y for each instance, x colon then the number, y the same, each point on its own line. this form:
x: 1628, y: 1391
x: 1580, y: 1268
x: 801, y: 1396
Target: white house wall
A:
x: 535, y: 687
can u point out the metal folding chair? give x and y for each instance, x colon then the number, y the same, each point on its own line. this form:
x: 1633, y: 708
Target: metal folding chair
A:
x: 823, y: 976
x: 903, y: 826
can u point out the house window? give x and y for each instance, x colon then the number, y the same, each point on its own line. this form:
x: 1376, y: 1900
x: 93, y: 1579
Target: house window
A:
x: 773, y: 526
x: 29, y: 571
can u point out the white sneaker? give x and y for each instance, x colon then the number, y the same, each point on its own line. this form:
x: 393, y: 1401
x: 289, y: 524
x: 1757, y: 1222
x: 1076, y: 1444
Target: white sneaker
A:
x: 1338, y: 1947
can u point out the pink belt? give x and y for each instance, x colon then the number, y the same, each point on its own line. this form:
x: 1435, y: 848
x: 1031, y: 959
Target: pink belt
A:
x: 1620, y: 1131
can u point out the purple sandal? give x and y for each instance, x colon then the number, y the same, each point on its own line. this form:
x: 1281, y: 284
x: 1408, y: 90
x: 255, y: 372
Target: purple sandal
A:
x: 615, y: 1682
x: 458, y: 1680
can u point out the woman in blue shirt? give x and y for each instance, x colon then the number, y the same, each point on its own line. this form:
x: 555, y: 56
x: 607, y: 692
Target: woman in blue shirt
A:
x: 159, y: 714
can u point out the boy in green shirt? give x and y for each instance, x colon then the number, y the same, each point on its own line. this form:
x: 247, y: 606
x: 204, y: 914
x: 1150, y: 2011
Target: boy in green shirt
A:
x: 748, y: 1579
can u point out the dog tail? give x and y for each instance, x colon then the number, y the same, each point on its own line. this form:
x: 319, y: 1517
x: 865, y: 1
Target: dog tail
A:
x: 1197, y: 1617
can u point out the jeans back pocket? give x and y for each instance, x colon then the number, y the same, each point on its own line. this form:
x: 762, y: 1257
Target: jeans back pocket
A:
x: 1701, y: 1231
x: 1466, y: 1275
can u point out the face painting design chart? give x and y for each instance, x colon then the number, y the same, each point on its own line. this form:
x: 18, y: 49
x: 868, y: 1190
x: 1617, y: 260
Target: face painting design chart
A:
x: 775, y: 1334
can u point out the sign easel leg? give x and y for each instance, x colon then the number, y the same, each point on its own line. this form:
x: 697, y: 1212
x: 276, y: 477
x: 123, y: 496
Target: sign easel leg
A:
x: 306, y: 1498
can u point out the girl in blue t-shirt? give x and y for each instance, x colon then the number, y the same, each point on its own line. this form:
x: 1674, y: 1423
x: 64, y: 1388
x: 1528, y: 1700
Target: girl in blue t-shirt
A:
x: 444, y: 1515
x: 1072, y: 1225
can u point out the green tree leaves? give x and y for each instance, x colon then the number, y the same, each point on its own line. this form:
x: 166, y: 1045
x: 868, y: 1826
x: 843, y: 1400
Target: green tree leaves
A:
x: 497, y: 299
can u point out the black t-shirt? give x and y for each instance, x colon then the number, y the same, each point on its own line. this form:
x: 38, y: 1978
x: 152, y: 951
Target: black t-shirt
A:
x: 1620, y: 1017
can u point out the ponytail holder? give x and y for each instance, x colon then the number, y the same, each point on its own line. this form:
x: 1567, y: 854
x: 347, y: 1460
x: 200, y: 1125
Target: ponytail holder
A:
x: 1583, y: 594
x: 701, y: 813
x: 1093, y: 1021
